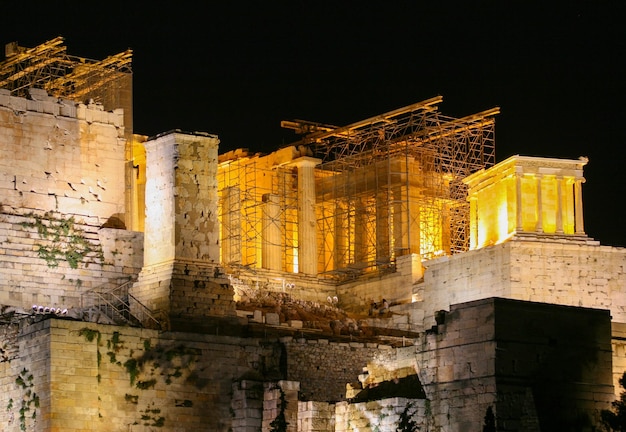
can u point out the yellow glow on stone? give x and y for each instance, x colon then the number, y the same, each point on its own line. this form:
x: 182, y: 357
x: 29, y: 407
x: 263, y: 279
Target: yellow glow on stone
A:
x: 525, y: 195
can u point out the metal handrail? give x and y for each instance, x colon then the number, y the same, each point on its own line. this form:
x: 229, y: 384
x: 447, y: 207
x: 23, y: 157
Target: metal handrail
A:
x: 116, y: 303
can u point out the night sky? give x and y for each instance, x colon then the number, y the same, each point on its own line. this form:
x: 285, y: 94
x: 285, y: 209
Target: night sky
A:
x: 557, y: 70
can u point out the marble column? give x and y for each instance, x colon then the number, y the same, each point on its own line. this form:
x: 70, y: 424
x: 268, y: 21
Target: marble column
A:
x: 307, y: 221
x: 539, y: 225
x: 578, y: 206
x: 271, y: 256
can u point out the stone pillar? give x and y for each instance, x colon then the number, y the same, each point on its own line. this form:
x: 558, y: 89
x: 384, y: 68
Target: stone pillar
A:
x: 578, y: 206
x: 247, y: 406
x: 406, y: 220
x: 361, y: 220
x: 281, y: 399
x: 519, y: 222
x: 539, y: 225
x: 473, y: 200
x: 307, y: 220
x: 400, y: 223
x: 231, y: 225
x: 271, y: 241
x: 559, y: 205
x: 180, y: 276
x: 382, y: 235
x: 181, y: 198
x: 342, y: 235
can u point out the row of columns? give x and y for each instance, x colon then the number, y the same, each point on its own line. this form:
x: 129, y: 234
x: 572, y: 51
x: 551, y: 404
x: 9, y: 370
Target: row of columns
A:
x: 392, y: 218
x: 578, y: 206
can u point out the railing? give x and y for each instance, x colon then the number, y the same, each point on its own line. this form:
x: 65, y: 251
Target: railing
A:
x: 120, y: 306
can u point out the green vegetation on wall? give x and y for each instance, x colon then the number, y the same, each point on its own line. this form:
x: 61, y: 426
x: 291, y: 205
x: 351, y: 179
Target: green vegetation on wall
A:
x: 64, y: 241
x: 615, y: 419
x: 155, y: 365
x: 406, y: 422
x: 29, y: 400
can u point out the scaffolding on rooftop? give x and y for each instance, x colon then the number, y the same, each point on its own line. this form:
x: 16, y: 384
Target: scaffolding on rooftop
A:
x: 391, y: 185
x: 49, y: 67
x: 387, y: 186
x: 108, y: 82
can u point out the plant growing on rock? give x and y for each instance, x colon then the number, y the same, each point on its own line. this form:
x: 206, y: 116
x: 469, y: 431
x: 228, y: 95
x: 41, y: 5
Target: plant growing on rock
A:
x: 615, y: 420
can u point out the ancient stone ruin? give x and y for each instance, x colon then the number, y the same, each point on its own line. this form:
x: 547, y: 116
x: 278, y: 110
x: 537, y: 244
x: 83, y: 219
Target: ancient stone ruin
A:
x: 381, y: 275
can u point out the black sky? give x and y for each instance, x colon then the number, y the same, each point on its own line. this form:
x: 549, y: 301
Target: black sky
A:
x: 556, y: 69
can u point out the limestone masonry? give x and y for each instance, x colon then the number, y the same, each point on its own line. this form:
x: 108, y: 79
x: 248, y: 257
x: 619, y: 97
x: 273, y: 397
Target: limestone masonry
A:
x: 365, y: 276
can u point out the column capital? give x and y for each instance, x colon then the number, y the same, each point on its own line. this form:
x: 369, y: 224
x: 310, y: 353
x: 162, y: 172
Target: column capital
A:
x: 306, y: 161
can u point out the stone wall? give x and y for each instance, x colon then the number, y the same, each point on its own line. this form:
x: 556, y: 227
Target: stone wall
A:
x: 85, y: 376
x: 535, y: 365
x: 456, y: 366
x: 558, y: 357
x: 395, y: 287
x: 515, y: 358
x: 324, y: 368
x: 25, y: 378
x: 619, y: 355
x: 50, y: 259
x: 566, y: 273
x: 62, y: 191
x: 380, y: 415
x: 56, y: 155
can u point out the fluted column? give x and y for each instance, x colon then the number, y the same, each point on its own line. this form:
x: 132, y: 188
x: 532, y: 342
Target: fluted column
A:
x: 307, y: 221
x: 342, y: 232
x: 271, y: 242
x: 383, y: 225
x: 473, y: 200
x: 539, y: 225
x: 361, y: 220
x: 578, y: 206
x: 231, y: 225
x: 559, y: 205
x: 519, y: 221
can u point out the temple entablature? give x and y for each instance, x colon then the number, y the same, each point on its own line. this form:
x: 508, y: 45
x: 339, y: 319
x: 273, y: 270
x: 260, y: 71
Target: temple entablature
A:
x: 526, y: 195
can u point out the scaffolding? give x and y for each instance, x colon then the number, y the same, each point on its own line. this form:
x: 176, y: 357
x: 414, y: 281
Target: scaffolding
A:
x: 77, y: 79
x: 257, y: 212
x: 385, y: 187
x: 49, y: 67
x: 391, y: 185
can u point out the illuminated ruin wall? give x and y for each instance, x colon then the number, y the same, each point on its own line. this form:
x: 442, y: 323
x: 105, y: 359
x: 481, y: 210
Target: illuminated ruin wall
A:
x: 181, y: 280
x: 81, y: 376
x: 57, y: 155
x: 371, y: 215
x: 515, y: 357
x: 62, y: 201
x: 258, y: 210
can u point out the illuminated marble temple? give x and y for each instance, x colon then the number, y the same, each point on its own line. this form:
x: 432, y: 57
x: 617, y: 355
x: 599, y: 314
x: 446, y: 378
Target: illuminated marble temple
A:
x: 152, y: 283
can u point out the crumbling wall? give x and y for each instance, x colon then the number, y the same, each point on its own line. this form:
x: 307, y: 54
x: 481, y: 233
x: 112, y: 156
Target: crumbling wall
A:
x: 60, y: 156
x: 324, y: 368
x: 97, y: 377
x: 50, y: 258
x: 536, y: 366
x: 62, y: 193
x: 26, y: 390
x: 380, y: 415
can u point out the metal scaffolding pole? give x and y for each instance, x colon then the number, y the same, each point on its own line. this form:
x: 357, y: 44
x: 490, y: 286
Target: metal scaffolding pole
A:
x: 391, y: 185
